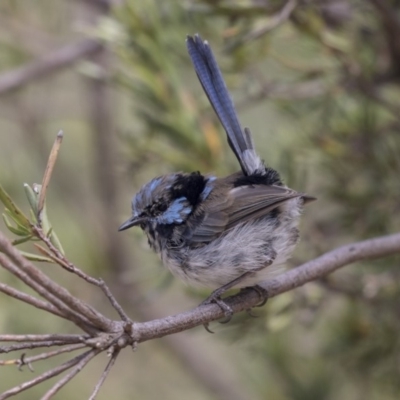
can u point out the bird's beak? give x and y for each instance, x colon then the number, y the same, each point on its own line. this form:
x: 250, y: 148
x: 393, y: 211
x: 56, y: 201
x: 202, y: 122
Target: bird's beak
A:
x: 133, y: 221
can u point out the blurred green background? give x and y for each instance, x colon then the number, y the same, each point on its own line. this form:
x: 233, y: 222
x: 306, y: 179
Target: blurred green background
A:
x: 318, y: 84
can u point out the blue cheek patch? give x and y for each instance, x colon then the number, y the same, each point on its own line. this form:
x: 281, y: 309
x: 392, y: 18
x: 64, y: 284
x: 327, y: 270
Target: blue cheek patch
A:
x: 208, y: 188
x: 176, y: 212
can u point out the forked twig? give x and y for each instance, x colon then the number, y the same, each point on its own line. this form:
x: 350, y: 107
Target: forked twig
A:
x: 71, y: 308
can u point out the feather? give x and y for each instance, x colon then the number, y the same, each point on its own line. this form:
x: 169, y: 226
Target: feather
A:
x: 239, y: 205
x: 214, y: 86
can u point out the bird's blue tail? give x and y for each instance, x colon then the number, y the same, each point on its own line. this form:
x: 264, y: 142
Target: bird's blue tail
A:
x: 214, y: 86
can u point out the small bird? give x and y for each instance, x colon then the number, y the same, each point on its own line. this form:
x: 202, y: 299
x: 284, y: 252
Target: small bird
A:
x: 221, y: 233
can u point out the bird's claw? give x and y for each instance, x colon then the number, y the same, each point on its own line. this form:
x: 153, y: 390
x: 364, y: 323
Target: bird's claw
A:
x: 263, y: 293
x: 228, y: 312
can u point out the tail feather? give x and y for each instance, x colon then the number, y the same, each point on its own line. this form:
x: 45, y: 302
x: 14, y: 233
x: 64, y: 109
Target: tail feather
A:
x: 213, y: 83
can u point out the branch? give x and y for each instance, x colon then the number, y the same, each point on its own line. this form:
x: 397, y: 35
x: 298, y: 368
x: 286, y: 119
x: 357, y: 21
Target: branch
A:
x: 311, y: 270
x: 117, y: 335
x: 43, y: 285
x: 45, y: 376
x: 391, y: 26
x: 29, y: 360
x: 71, y: 338
x: 82, y: 363
x: 104, y: 375
x: 47, y: 64
x: 272, y: 23
x: 26, y: 298
x: 50, y: 290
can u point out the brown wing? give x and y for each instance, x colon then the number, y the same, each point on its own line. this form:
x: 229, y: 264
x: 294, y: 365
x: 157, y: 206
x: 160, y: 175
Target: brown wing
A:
x: 242, y: 204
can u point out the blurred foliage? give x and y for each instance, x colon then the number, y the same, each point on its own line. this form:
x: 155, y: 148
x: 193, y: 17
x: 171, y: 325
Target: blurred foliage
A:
x: 167, y: 111
x: 318, y: 84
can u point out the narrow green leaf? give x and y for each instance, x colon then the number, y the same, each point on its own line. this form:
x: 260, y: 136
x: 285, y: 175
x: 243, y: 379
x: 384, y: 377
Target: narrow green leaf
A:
x: 22, y: 240
x: 19, y: 231
x: 56, y: 242
x: 13, y: 208
x: 33, y: 198
x: 10, y: 215
x: 36, y: 257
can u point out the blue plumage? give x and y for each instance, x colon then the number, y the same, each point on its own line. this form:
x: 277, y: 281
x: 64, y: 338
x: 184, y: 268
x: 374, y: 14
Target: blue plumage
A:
x: 176, y: 213
x: 220, y: 232
x: 208, y: 188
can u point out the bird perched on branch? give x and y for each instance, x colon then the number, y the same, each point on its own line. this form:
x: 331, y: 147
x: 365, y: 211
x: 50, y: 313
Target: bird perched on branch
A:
x: 220, y: 232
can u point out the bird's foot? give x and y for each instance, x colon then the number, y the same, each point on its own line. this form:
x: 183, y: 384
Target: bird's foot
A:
x: 215, y: 297
x: 263, y: 293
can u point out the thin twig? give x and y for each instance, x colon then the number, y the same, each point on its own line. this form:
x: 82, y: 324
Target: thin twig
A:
x: 47, y: 173
x: 38, y: 338
x: 45, y: 376
x: 31, y: 345
x: 26, y: 298
x: 113, y: 301
x: 104, y: 375
x: 271, y: 24
x: 66, y: 312
x: 50, y: 393
x: 43, y: 356
x: 70, y: 267
x: 46, y: 287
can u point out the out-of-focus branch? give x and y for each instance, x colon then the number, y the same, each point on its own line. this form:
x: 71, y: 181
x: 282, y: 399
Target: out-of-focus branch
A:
x: 391, y: 26
x: 47, y: 64
x: 272, y: 23
x: 297, y: 91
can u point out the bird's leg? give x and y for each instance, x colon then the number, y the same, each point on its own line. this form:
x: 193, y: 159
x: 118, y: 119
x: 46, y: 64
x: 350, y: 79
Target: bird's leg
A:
x: 215, y: 297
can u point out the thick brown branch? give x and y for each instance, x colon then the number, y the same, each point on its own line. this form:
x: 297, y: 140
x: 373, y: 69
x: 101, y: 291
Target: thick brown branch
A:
x: 121, y: 333
x: 317, y: 268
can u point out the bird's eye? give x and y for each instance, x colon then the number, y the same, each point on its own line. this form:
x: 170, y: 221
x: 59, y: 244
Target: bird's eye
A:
x: 162, y: 207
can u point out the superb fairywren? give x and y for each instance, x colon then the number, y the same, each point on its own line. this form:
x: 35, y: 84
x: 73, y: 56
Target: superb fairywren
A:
x: 220, y: 232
